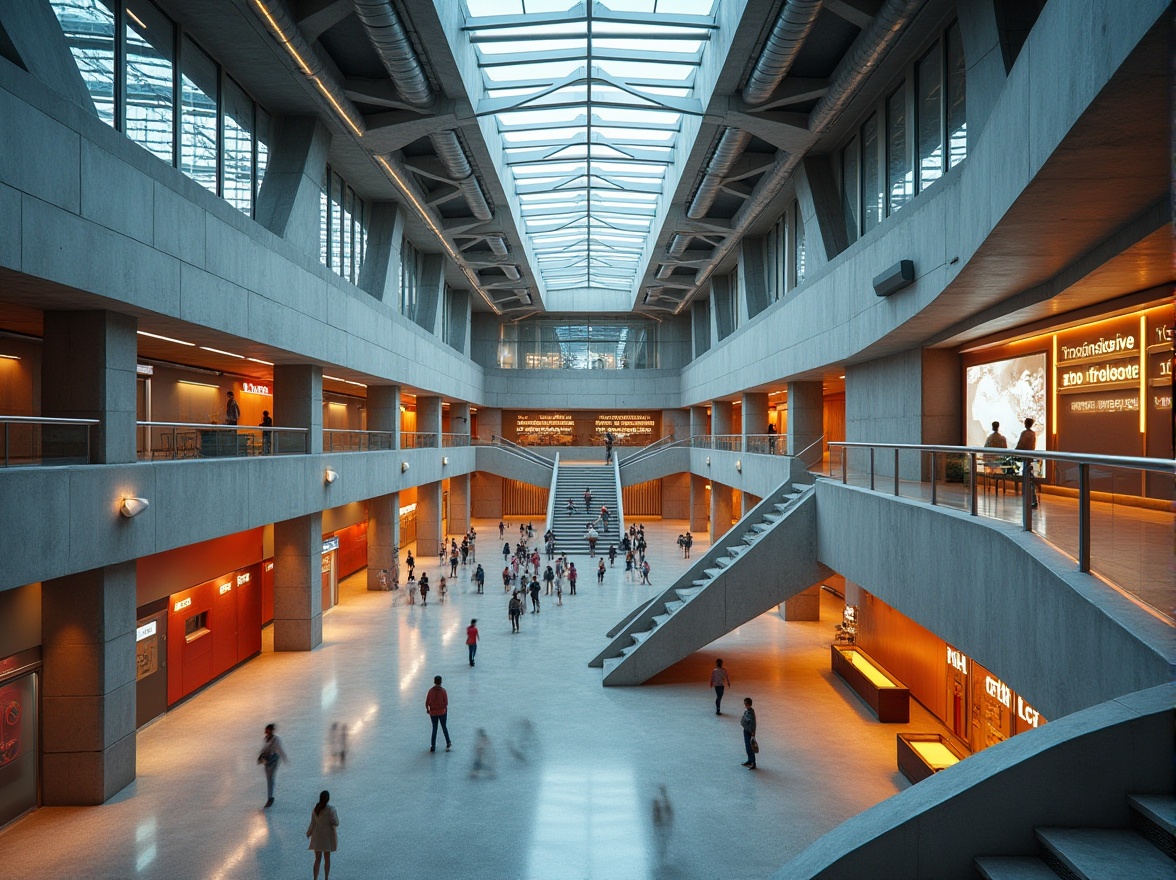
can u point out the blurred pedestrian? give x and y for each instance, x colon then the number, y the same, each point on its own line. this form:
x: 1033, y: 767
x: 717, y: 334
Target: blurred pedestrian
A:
x: 600, y: 572
x: 663, y: 823
x: 484, y: 761
x: 271, y: 754
x: 479, y: 577
x: 720, y: 681
x: 324, y: 840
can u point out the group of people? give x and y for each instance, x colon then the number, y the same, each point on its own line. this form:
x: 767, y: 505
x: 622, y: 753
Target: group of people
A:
x: 685, y: 542
x: 720, y: 681
x: 1025, y: 442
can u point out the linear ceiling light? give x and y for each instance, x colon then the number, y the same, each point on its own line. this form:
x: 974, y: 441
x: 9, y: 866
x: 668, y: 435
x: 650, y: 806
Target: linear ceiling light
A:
x: 226, y: 353
x: 166, y: 338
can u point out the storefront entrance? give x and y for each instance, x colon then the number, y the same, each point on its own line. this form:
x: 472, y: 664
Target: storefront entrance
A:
x: 19, y: 727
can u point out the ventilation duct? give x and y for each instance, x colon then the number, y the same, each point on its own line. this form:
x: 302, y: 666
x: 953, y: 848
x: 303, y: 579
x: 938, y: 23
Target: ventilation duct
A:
x: 391, y: 41
x: 731, y: 146
x: 497, y: 245
x: 511, y: 272
x: 783, y: 45
x: 677, y: 245
x: 664, y: 271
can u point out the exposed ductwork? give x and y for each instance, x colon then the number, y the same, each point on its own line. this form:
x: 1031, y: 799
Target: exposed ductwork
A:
x: 511, y: 272
x: 391, y: 41
x: 730, y: 147
x: 664, y: 271
x: 783, y: 45
x: 864, y: 56
x: 497, y: 245
x: 677, y: 245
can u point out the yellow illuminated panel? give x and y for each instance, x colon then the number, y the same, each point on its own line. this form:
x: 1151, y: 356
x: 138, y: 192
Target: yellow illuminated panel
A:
x: 934, y: 754
x: 868, y: 669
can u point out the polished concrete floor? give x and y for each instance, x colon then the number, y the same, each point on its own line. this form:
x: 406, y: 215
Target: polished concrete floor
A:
x: 573, y: 767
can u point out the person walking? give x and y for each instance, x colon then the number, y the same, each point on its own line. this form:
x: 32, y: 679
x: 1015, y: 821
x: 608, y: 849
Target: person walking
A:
x: 437, y: 706
x: 271, y: 754
x: 771, y: 438
x: 548, y: 580
x: 442, y: 586
x: 232, y: 410
x: 687, y: 543
x: 587, y: 500
x: 514, y: 610
x: 747, y: 722
x: 506, y: 551
x: 411, y: 563
x: 1027, y: 441
x: 663, y: 823
x: 534, y: 588
x: 472, y: 639
x: 608, y: 446
x: 720, y: 681
x: 645, y: 572
x: 506, y: 576
x: 479, y: 577
x: 572, y: 575
x: 604, y: 515
x: 266, y: 436
x: 600, y: 572
x: 324, y: 840
x: 453, y: 562
x: 612, y: 554
x: 559, y: 592
x: 424, y: 588
x: 591, y: 535
x: 501, y: 528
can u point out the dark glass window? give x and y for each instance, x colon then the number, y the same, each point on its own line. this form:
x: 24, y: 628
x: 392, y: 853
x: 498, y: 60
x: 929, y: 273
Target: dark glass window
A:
x: 88, y: 26
x: 150, y: 89
x: 929, y: 104
x: 957, y: 124
x: 237, y: 137
x: 899, y: 178
x: 872, y: 193
x: 198, y: 95
x: 850, y: 162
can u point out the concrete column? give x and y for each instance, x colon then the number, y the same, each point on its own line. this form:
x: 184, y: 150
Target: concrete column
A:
x: 700, y: 321
x: 754, y: 287
x: 459, y: 504
x: 721, y: 416
x: 747, y: 501
x: 489, y: 422
x: 288, y: 202
x: 755, y: 416
x: 428, y: 515
x: 676, y: 422
x: 458, y: 336
x: 699, y: 421
x: 721, y: 508
x: 821, y: 211
x: 805, y: 605
x: 298, y: 583
x: 806, y: 419
x: 459, y: 418
x: 88, y: 702
x: 429, y: 296
x: 723, y: 306
x: 699, y: 506
x: 30, y: 37
x: 88, y: 372
x: 428, y: 410
x: 380, y: 274
x: 298, y: 402
x: 383, y: 410
x: 383, y: 538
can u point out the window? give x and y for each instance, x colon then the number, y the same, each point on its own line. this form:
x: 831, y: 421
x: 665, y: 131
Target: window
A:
x: 446, y: 304
x: 799, y: 260
x: 776, y: 254
x: 325, y: 218
x: 237, y: 136
x: 410, y: 280
x: 899, y: 178
x: 850, y: 162
x: 198, y: 94
x: 150, y: 83
x: 89, y: 29
x: 957, y: 125
x: 928, y: 106
x: 265, y: 136
x: 872, y: 195
x: 338, y: 230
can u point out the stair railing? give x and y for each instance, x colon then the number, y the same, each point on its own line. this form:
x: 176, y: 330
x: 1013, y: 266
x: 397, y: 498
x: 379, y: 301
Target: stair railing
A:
x: 551, y: 494
x: 648, y: 449
x: 620, y: 496
x: 521, y: 451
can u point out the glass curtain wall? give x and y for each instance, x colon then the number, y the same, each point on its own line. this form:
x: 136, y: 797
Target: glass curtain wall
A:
x: 126, y: 55
x: 899, y: 176
x: 872, y: 194
x: 552, y: 344
x: 957, y: 124
x: 928, y: 100
x: 342, y: 227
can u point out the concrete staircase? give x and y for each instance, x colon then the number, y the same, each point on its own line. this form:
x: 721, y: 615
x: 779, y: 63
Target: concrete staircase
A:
x: 1146, y: 851
x: 569, y: 528
x: 767, y: 557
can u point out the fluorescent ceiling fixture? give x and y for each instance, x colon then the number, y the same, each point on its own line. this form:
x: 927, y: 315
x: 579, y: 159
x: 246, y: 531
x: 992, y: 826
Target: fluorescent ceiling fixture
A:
x: 200, y: 384
x: 10, y: 357
x: 166, y: 338
x: 589, y: 97
x: 226, y: 353
x: 260, y: 361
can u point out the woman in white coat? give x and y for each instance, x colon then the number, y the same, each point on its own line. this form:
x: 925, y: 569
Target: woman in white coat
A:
x: 324, y: 840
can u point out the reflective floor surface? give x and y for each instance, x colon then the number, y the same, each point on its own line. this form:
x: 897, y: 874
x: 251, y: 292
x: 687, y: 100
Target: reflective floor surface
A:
x: 569, y: 769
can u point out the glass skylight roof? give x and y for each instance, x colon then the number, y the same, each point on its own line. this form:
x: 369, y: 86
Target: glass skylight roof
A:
x: 589, y: 98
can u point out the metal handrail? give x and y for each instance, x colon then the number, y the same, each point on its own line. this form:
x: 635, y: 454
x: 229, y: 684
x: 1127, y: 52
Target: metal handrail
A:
x: 40, y: 420
x: 180, y: 440
x: 523, y: 451
x: 204, y: 426
x: 648, y: 449
x: 450, y: 440
x: 976, y: 454
x: 819, y: 440
x: 329, y: 435
x: 550, y: 520
x: 418, y: 440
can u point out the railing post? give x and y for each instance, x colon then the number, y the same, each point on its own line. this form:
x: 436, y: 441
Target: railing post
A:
x: 896, y: 470
x: 972, y: 488
x: 6, y: 441
x: 933, y: 478
x: 1026, y: 495
x: 844, y: 464
x: 871, y: 468
x: 1084, y: 517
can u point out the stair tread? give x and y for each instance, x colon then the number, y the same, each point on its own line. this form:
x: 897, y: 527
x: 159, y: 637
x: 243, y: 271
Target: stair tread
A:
x: 1160, y: 808
x: 1014, y: 868
x: 1098, y: 853
x: 673, y: 606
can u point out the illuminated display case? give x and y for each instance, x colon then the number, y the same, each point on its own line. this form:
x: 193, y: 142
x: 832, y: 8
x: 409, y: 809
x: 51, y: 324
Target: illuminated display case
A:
x: 889, y: 698
x: 921, y: 755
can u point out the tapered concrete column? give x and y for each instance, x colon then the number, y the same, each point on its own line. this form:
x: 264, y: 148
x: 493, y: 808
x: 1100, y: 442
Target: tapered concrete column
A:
x: 699, y: 505
x: 380, y: 273
x: 383, y: 539
x: 676, y: 422
x: 428, y: 411
x: 298, y: 402
x: 459, y: 418
x: 383, y: 411
x: 721, y: 508
x: 721, y: 416
x: 88, y: 372
x: 428, y: 516
x: 806, y: 420
x: 288, y: 201
x: 298, y: 583
x: 699, y: 423
x: 755, y: 417
x: 747, y: 501
x: 805, y: 605
x: 459, y: 504
x: 88, y: 638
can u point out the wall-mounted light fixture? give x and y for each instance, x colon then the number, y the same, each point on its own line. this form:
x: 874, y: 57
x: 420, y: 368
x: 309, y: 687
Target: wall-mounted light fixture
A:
x: 739, y: 465
x: 444, y: 460
x: 131, y: 506
x: 708, y: 461
x: 329, y: 476
x: 403, y: 467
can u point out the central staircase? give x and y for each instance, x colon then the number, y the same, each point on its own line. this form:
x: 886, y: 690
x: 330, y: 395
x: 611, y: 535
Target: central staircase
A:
x: 570, y: 528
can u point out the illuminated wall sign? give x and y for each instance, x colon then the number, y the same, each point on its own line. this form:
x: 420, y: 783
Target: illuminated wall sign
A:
x: 144, y: 369
x: 242, y: 579
x: 182, y: 604
x: 1027, y: 713
x: 330, y: 544
x: 146, y: 631
x: 269, y: 566
x: 224, y: 588
x: 998, y: 690
x: 542, y: 424
x: 957, y: 660
x: 626, y: 424
x: 256, y: 388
